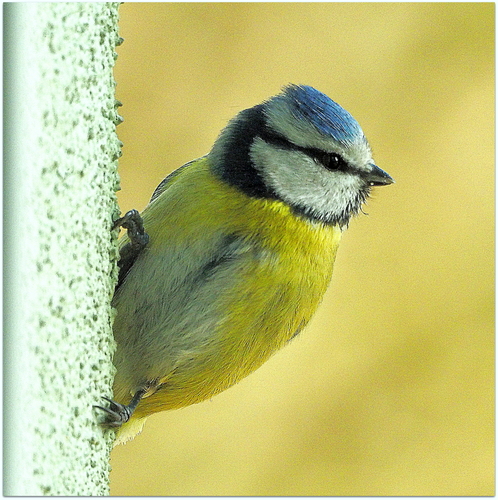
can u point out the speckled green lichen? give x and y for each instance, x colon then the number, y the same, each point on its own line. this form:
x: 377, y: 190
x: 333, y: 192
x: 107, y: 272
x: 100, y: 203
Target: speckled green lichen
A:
x: 61, y: 178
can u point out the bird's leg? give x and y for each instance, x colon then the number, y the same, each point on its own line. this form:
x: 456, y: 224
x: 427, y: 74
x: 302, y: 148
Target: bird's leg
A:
x: 132, y: 221
x: 117, y: 414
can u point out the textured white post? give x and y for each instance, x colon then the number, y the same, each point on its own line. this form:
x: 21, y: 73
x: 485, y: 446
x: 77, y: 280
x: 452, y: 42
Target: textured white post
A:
x: 60, y: 178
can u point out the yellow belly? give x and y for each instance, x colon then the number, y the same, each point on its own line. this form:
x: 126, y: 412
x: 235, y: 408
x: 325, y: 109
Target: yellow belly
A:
x: 274, y: 294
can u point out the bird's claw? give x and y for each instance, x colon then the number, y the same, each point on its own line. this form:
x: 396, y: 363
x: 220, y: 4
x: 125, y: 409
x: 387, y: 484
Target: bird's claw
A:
x: 116, y: 414
x: 133, y: 223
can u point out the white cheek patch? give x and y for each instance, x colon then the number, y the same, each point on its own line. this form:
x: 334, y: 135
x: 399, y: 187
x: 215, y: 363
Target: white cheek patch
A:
x: 300, y: 181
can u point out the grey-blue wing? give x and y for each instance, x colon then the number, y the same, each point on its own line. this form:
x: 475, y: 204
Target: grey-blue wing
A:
x: 170, y: 309
x: 129, y: 252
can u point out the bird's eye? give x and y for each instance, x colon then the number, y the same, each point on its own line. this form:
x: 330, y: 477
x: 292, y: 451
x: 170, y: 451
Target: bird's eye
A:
x: 331, y: 161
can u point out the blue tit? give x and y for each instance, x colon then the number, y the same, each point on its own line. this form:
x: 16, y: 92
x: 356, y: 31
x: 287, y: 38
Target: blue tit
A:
x: 241, y: 246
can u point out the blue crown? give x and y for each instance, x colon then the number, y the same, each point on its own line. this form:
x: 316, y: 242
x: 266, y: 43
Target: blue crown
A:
x: 322, y: 112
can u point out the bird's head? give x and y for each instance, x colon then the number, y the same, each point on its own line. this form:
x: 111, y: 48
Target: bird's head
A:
x: 304, y: 149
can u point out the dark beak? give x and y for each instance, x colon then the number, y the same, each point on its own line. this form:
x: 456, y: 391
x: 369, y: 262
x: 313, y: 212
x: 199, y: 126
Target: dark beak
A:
x: 377, y: 177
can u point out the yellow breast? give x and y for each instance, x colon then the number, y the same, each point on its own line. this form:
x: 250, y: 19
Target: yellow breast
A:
x: 276, y: 290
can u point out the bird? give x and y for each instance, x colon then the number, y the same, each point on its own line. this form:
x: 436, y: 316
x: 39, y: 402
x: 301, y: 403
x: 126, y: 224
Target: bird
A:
x: 234, y: 252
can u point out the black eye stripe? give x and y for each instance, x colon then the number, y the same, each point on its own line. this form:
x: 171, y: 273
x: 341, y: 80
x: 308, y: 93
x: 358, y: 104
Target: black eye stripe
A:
x: 331, y: 161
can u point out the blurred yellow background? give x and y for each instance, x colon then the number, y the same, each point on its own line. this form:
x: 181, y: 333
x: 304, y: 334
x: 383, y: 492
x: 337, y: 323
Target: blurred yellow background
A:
x: 390, y: 390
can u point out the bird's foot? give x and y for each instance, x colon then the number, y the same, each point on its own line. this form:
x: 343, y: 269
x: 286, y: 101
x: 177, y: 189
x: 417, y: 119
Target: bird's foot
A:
x: 115, y: 414
x: 134, y: 224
